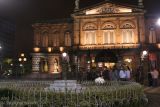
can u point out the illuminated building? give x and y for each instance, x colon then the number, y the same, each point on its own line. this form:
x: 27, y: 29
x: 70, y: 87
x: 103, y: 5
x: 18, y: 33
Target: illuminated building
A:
x: 96, y: 36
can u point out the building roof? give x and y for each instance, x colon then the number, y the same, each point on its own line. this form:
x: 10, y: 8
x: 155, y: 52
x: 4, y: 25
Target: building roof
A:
x: 106, y: 1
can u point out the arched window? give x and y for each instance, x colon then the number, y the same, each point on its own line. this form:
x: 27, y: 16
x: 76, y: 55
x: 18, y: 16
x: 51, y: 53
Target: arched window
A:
x: 108, y: 33
x: 55, y: 39
x: 90, y: 33
x: 67, y: 39
x: 44, y: 39
x: 90, y: 26
x: 152, y: 35
x: 127, y: 32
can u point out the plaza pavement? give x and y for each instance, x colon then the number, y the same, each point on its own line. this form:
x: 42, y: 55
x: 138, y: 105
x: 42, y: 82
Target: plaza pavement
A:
x: 153, y: 95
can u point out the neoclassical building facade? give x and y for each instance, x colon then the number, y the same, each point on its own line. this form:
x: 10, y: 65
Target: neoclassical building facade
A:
x: 97, y: 36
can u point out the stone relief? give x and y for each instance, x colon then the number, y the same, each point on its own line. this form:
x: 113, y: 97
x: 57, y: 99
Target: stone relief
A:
x: 108, y: 10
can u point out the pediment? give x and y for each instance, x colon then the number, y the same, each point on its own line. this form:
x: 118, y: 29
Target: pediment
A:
x: 109, y: 8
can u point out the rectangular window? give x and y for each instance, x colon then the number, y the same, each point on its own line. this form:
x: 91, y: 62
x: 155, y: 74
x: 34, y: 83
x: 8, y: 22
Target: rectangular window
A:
x: 127, y: 36
x: 152, y: 36
x: 55, y: 40
x: 109, y: 37
x: 67, y: 39
x: 90, y: 37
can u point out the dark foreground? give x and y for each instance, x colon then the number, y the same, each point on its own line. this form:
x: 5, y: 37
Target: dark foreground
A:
x: 153, y: 95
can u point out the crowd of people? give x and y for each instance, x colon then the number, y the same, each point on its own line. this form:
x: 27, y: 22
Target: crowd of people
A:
x: 114, y: 74
x: 123, y: 73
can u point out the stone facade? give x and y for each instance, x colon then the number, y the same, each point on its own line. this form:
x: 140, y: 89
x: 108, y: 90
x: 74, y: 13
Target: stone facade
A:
x: 105, y: 27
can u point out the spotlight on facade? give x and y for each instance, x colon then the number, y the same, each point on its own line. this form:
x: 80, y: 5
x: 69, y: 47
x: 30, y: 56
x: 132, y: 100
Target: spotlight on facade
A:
x: 61, y: 49
x: 49, y: 49
x: 36, y: 49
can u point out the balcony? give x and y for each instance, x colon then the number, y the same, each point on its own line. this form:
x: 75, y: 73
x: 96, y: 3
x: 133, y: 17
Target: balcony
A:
x: 109, y: 46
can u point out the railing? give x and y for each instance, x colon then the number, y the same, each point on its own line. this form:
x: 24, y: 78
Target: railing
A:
x: 109, y: 46
x: 34, y: 94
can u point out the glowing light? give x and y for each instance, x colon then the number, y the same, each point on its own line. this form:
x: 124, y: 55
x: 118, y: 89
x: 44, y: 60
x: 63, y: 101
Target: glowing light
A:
x: 100, y: 64
x: 36, y: 49
x: 64, y: 54
x: 25, y: 59
x: 144, y: 53
x: 49, y: 49
x: 20, y: 65
x: 128, y: 60
x: 20, y: 59
x: 61, y: 49
x: 158, y: 22
x: 22, y: 54
x: 93, y: 60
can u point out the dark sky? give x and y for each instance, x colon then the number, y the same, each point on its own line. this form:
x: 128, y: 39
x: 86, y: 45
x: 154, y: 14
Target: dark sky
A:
x: 25, y: 12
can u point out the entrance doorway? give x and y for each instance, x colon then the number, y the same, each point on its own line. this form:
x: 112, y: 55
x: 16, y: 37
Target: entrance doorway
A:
x: 43, y: 65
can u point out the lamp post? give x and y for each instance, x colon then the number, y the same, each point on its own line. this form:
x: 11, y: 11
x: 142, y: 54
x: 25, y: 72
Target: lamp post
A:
x: 144, y: 56
x: 22, y: 59
x: 65, y: 67
x: 65, y: 62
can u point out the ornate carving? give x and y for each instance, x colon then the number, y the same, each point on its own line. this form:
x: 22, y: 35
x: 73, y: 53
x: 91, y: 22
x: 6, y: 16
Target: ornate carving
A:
x: 90, y: 26
x: 127, y: 25
x: 108, y: 25
x: 104, y: 10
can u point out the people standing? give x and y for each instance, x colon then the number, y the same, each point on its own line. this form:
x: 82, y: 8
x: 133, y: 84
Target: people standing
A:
x: 106, y: 74
x: 115, y: 74
x: 150, y: 79
x: 122, y: 74
x: 139, y: 75
x: 128, y: 73
x: 155, y: 75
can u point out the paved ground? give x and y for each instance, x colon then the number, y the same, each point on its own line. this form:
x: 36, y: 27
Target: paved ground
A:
x: 153, y: 95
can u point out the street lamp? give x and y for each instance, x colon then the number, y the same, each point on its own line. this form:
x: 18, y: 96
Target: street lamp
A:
x: 22, y: 59
x: 64, y: 54
x: 144, y: 54
x: 65, y: 64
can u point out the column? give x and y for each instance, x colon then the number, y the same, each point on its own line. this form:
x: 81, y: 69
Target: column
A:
x: 35, y: 63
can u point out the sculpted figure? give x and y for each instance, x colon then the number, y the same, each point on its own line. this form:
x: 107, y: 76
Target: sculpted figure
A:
x: 76, y: 4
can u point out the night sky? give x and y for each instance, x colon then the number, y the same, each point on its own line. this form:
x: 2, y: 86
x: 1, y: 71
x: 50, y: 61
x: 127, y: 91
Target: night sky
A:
x: 26, y: 12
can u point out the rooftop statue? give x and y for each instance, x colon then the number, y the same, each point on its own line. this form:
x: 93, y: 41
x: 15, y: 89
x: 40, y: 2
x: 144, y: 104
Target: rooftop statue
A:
x: 77, y: 4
